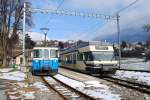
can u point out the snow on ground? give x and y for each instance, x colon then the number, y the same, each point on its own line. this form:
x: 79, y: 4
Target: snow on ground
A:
x: 29, y: 95
x: 92, y: 88
x: 141, y: 77
x: 135, y: 63
x: 26, y: 91
x: 22, y: 88
x: 21, y: 94
x: 16, y: 75
x: 4, y: 70
x: 131, y: 60
x: 40, y: 86
x: 147, y: 97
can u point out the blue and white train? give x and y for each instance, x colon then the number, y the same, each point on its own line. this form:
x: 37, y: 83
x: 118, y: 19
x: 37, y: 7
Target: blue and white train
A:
x: 45, y: 60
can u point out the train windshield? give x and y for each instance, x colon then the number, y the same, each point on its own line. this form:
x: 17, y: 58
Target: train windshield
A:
x: 46, y: 53
x: 37, y: 53
x: 54, y: 53
x: 103, y: 56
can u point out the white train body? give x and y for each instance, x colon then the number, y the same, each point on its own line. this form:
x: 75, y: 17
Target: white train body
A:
x: 92, y: 57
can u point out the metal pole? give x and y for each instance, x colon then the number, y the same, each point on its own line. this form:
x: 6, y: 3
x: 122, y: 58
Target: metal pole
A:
x: 24, y: 21
x: 118, y: 31
x: 45, y: 38
x: 45, y: 31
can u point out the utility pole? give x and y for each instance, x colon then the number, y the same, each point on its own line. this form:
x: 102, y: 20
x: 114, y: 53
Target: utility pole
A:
x: 45, y: 39
x: 24, y: 32
x: 45, y: 31
x: 118, y: 31
x: 118, y: 28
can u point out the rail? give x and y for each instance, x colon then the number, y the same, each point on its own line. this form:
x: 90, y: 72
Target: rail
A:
x: 65, y: 91
x: 136, y: 70
x: 133, y: 85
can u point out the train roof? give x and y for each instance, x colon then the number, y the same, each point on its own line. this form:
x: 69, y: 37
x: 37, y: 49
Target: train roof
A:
x: 45, y: 48
x: 77, y: 45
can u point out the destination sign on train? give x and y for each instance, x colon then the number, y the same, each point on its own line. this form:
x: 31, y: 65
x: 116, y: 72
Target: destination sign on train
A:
x: 101, y: 48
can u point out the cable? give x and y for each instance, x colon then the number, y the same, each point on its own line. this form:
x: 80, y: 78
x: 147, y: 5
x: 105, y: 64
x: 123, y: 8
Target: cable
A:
x: 49, y: 20
x: 127, y: 6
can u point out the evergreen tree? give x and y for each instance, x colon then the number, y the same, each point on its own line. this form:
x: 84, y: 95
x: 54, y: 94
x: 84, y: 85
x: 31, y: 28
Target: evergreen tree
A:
x: 29, y: 43
x: 123, y: 44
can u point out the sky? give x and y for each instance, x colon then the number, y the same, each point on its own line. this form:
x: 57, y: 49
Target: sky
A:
x: 64, y: 28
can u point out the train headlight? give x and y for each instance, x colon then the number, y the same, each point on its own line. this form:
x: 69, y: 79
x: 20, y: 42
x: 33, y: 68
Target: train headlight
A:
x: 36, y: 61
x: 97, y: 65
x: 55, y: 61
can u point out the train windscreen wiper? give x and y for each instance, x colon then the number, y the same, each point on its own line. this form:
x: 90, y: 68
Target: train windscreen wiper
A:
x: 112, y: 57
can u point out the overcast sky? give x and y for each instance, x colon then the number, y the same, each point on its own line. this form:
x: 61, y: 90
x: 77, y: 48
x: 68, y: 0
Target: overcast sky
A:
x: 75, y: 28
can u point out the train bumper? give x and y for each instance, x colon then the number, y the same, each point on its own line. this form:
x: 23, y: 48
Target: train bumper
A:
x: 46, y: 69
x: 101, y: 69
x: 94, y: 70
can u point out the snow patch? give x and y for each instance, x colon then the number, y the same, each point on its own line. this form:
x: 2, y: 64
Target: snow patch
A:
x: 13, y: 97
x: 21, y: 84
x: 136, y: 64
x: 95, y: 84
x: 4, y: 70
x: 92, y: 88
x: 71, y: 82
x: 29, y: 95
x: 141, y: 77
x: 16, y: 75
x: 147, y: 97
x: 41, y: 86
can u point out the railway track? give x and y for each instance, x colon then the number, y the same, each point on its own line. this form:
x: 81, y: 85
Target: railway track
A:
x: 147, y: 71
x: 129, y: 84
x: 65, y: 91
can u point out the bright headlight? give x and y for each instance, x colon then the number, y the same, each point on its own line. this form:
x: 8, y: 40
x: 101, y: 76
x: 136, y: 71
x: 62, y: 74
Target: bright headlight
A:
x: 36, y: 60
x: 97, y: 65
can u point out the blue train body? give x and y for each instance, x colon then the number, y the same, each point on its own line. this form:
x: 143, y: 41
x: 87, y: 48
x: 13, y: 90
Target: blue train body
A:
x: 45, y: 60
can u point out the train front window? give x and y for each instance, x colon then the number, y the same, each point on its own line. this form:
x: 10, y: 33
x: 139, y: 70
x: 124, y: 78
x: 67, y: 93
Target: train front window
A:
x: 37, y: 53
x: 88, y: 56
x: 54, y: 53
x: 103, y: 56
x: 46, y: 53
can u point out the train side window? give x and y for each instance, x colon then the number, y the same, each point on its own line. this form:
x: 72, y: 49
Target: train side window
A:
x: 80, y: 56
x: 67, y: 59
x: 88, y: 56
x: 74, y: 58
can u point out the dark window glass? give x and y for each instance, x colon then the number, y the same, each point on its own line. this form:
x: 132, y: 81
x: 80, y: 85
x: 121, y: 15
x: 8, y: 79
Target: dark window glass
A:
x: 54, y: 53
x: 74, y: 58
x: 80, y: 56
x: 103, y: 56
x: 37, y: 53
x: 88, y: 56
x: 46, y: 53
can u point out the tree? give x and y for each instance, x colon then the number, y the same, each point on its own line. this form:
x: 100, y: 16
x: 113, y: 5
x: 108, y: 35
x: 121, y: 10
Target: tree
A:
x: 61, y: 45
x: 140, y: 43
x: 123, y: 44
x: 11, y: 12
x: 29, y: 44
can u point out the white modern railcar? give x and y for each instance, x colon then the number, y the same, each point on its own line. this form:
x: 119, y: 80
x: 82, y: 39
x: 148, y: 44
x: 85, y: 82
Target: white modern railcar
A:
x: 95, y: 58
